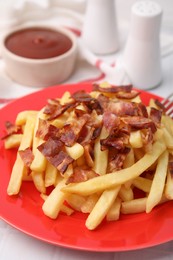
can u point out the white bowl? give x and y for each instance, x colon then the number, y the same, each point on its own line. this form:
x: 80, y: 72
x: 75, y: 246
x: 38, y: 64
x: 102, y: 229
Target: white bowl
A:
x: 40, y: 72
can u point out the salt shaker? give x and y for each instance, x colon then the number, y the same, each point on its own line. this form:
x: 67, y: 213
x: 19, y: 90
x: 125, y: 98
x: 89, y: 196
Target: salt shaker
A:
x: 99, y: 31
x: 142, y: 61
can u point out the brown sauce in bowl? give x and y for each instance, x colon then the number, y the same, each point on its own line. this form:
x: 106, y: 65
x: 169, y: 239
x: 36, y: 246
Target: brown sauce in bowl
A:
x: 38, y: 43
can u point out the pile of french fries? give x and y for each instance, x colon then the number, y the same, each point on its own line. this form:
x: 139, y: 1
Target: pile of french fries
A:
x: 108, y: 195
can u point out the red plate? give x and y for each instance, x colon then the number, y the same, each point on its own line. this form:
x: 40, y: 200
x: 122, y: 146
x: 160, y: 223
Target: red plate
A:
x: 24, y: 211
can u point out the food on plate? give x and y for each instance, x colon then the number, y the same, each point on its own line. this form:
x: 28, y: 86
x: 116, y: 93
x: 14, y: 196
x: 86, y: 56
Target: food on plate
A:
x: 103, y: 153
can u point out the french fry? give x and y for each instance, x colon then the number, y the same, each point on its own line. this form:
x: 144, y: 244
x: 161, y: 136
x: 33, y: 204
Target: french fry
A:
x: 114, y: 212
x: 126, y: 194
x: 54, y: 201
x: 168, y: 138
x: 68, y: 211
x: 167, y: 123
x: 36, y: 140
x: 136, y: 139
x: 65, y: 98
x: 75, y: 151
x: 23, y: 115
x: 134, y: 206
x: 143, y: 184
x: 89, y: 203
x: 59, y: 122
x: 117, y: 178
x: 101, y: 157
x: 39, y: 163
x: 169, y: 187
x: 75, y: 201
x: 137, y: 205
x: 129, y: 160
x: 13, y: 141
x: 50, y: 175
x: 158, y: 183
x: 64, y: 208
x: 38, y: 180
x: 101, y: 208
x: 19, y: 169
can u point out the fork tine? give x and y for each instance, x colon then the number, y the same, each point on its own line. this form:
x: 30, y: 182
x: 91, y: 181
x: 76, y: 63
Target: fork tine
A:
x: 168, y: 104
x: 167, y: 100
x: 169, y: 112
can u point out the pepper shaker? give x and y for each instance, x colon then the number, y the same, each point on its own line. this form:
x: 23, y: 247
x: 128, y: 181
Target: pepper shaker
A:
x: 142, y: 59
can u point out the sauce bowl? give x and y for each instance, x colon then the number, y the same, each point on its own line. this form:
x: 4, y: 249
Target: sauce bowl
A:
x: 43, y: 69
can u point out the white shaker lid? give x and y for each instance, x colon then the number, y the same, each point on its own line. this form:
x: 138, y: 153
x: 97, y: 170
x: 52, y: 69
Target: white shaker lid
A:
x: 145, y: 20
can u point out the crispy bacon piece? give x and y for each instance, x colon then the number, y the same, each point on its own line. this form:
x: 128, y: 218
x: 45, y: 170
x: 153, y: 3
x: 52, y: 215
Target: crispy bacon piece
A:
x: 71, y: 131
x: 113, y: 141
x: 137, y: 122
x: 96, y: 132
x: 170, y: 164
x: 82, y: 96
x: 52, y: 149
x: 159, y: 104
x: 54, y: 110
x: 27, y: 156
x: 103, y: 101
x: 11, y: 129
x: 122, y: 108
x: 88, y: 153
x: 142, y: 110
x: 61, y: 161
x: 112, y: 88
x: 86, y: 135
x: 89, y: 102
x: 46, y: 130
x: 81, y: 175
x: 155, y: 115
x: 147, y: 139
x: 111, y: 121
x: 116, y: 159
x: 127, y: 95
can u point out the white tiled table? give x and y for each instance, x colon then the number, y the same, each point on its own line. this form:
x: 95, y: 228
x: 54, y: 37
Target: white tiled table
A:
x: 18, y: 246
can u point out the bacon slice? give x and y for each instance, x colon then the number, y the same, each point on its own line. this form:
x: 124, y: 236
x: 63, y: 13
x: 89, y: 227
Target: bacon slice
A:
x: 82, y: 96
x: 142, y: 110
x: 121, y: 108
x: 11, y: 129
x: 89, y: 155
x: 103, y: 101
x: 27, y: 156
x: 54, y: 110
x: 155, y: 115
x: 46, y: 130
x: 137, y: 122
x: 86, y: 135
x: 159, y: 104
x: 127, y: 95
x: 112, y: 88
x: 52, y: 149
x: 81, y: 175
x: 170, y: 164
x: 61, y: 161
x: 71, y: 131
x: 111, y: 121
x: 112, y: 141
x: 116, y: 159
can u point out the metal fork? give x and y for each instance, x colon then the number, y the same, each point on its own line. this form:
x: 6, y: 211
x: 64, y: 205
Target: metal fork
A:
x: 168, y: 105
